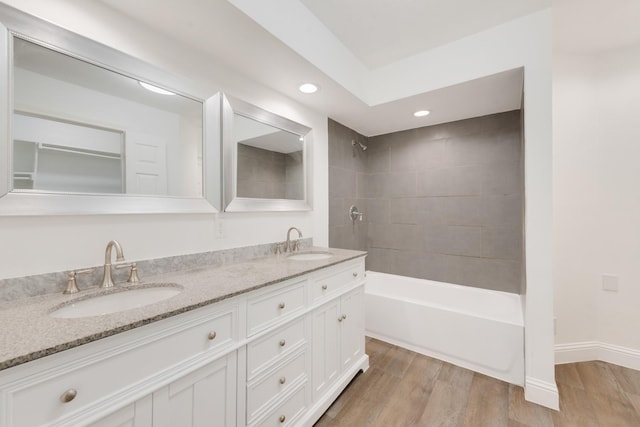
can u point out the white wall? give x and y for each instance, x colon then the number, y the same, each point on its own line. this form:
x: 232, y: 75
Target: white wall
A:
x: 522, y: 42
x: 33, y: 245
x: 597, y: 205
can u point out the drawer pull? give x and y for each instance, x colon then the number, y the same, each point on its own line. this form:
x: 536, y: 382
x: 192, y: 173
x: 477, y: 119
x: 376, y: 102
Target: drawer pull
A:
x: 282, y: 343
x: 281, y: 305
x: 283, y: 380
x: 212, y: 335
x: 282, y: 418
x: 324, y: 287
x: 68, y: 395
x: 355, y: 274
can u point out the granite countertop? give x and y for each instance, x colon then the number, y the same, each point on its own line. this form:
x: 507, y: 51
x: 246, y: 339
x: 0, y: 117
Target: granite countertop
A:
x: 29, y: 333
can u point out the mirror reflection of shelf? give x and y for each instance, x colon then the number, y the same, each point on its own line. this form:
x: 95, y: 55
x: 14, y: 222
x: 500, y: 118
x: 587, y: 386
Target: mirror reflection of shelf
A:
x: 74, y: 158
x: 23, y: 181
x: 73, y: 150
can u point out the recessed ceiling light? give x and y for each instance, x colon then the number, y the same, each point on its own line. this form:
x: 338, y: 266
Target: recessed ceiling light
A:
x: 421, y: 113
x: 155, y: 89
x: 308, y: 88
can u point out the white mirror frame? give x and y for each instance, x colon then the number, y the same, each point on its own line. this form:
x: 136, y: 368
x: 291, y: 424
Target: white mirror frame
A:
x: 231, y: 201
x: 13, y: 21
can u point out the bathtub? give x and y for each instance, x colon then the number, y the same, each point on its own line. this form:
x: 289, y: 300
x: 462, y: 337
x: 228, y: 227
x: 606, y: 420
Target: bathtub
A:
x: 477, y: 329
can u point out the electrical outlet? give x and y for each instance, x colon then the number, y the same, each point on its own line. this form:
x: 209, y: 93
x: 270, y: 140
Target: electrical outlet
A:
x: 219, y: 229
x: 610, y: 283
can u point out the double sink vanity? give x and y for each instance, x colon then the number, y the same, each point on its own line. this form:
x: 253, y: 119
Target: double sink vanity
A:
x: 269, y: 341
x: 260, y: 341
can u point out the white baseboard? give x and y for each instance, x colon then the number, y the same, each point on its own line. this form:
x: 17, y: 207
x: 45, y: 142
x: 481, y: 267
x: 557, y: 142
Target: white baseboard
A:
x: 542, y: 392
x: 594, y: 350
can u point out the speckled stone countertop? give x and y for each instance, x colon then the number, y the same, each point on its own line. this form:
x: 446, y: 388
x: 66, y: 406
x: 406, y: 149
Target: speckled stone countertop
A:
x: 28, y: 332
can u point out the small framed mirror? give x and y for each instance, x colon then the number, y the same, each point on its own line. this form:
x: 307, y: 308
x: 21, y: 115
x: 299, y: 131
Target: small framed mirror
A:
x: 265, y: 160
x: 93, y: 130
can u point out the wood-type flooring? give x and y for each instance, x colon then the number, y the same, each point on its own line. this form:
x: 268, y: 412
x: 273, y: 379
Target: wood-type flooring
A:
x: 403, y: 388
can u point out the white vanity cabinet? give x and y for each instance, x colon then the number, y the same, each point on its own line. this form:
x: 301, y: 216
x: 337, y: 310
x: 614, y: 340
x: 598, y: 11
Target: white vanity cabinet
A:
x: 138, y: 414
x: 276, y: 356
x: 93, y: 382
x: 338, y: 338
x: 204, y: 397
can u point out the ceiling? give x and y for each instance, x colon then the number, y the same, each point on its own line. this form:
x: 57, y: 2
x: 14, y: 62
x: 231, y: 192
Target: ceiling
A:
x: 380, y: 32
x: 595, y: 26
x: 281, y: 44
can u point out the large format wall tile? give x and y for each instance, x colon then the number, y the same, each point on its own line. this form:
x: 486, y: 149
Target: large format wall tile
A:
x: 442, y: 202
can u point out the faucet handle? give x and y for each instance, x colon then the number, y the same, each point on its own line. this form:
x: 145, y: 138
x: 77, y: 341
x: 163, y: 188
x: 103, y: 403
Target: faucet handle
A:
x: 279, y: 246
x: 72, y: 284
x: 296, y: 246
x: 133, y: 275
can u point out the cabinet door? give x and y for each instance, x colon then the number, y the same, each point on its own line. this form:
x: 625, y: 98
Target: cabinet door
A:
x: 205, y: 397
x: 138, y: 414
x: 326, y: 341
x: 351, y: 327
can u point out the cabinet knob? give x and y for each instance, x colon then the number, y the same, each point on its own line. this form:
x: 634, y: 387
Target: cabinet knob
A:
x: 324, y: 287
x: 282, y: 343
x: 355, y: 274
x: 344, y: 316
x: 281, y: 305
x: 68, y: 395
x: 283, y: 380
x: 340, y: 319
x: 212, y: 335
x: 282, y: 418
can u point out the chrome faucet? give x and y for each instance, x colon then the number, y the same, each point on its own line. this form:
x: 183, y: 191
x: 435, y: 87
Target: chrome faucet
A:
x: 287, y: 244
x: 107, y: 281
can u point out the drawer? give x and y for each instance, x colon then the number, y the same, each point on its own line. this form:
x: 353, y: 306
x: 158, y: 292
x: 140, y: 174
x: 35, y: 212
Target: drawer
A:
x: 336, y: 280
x: 288, y: 412
x: 97, y: 370
x: 270, y: 307
x: 274, y: 385
x: 276, y: 344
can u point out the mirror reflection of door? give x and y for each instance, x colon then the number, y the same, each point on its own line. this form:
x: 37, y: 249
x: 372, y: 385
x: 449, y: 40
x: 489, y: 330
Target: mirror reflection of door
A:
x: 270, y: 161
x: 146, y: 164
x: 80, y: 128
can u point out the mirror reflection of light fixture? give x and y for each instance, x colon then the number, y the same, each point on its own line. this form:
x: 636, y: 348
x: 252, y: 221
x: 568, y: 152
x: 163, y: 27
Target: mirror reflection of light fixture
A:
x: 421, y: 113
x: 308, y: 88
x: 155, y: 89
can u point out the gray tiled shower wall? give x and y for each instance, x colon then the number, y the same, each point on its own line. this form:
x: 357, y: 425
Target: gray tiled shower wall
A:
x: 442, y: 202
x: 269, y: 174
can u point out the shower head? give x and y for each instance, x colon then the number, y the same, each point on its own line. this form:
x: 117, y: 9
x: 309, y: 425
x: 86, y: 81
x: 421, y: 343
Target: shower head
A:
x: 360, y: 144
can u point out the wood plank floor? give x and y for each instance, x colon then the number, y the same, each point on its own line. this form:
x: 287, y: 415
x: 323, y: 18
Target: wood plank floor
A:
x: 403, y: 388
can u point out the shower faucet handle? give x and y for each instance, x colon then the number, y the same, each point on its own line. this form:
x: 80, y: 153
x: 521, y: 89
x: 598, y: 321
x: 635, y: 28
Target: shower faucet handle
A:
x: 355, y: 214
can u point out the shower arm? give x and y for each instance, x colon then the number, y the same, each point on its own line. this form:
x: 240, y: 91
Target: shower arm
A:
x: 362, y: 146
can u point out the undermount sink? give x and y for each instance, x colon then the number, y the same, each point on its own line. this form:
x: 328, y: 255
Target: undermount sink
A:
x: 117, y: 301
x: 310, y: 256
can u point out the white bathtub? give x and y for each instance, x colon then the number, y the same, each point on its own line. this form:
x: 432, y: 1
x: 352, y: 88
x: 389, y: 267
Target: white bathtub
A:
x: 477, y: 329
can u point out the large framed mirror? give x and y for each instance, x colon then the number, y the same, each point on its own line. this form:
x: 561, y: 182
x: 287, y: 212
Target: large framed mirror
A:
x: 87, y: 129
x: 265, y: 159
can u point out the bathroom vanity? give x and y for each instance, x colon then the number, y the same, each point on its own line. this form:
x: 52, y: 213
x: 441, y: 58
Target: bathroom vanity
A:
x: 266, y: 342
